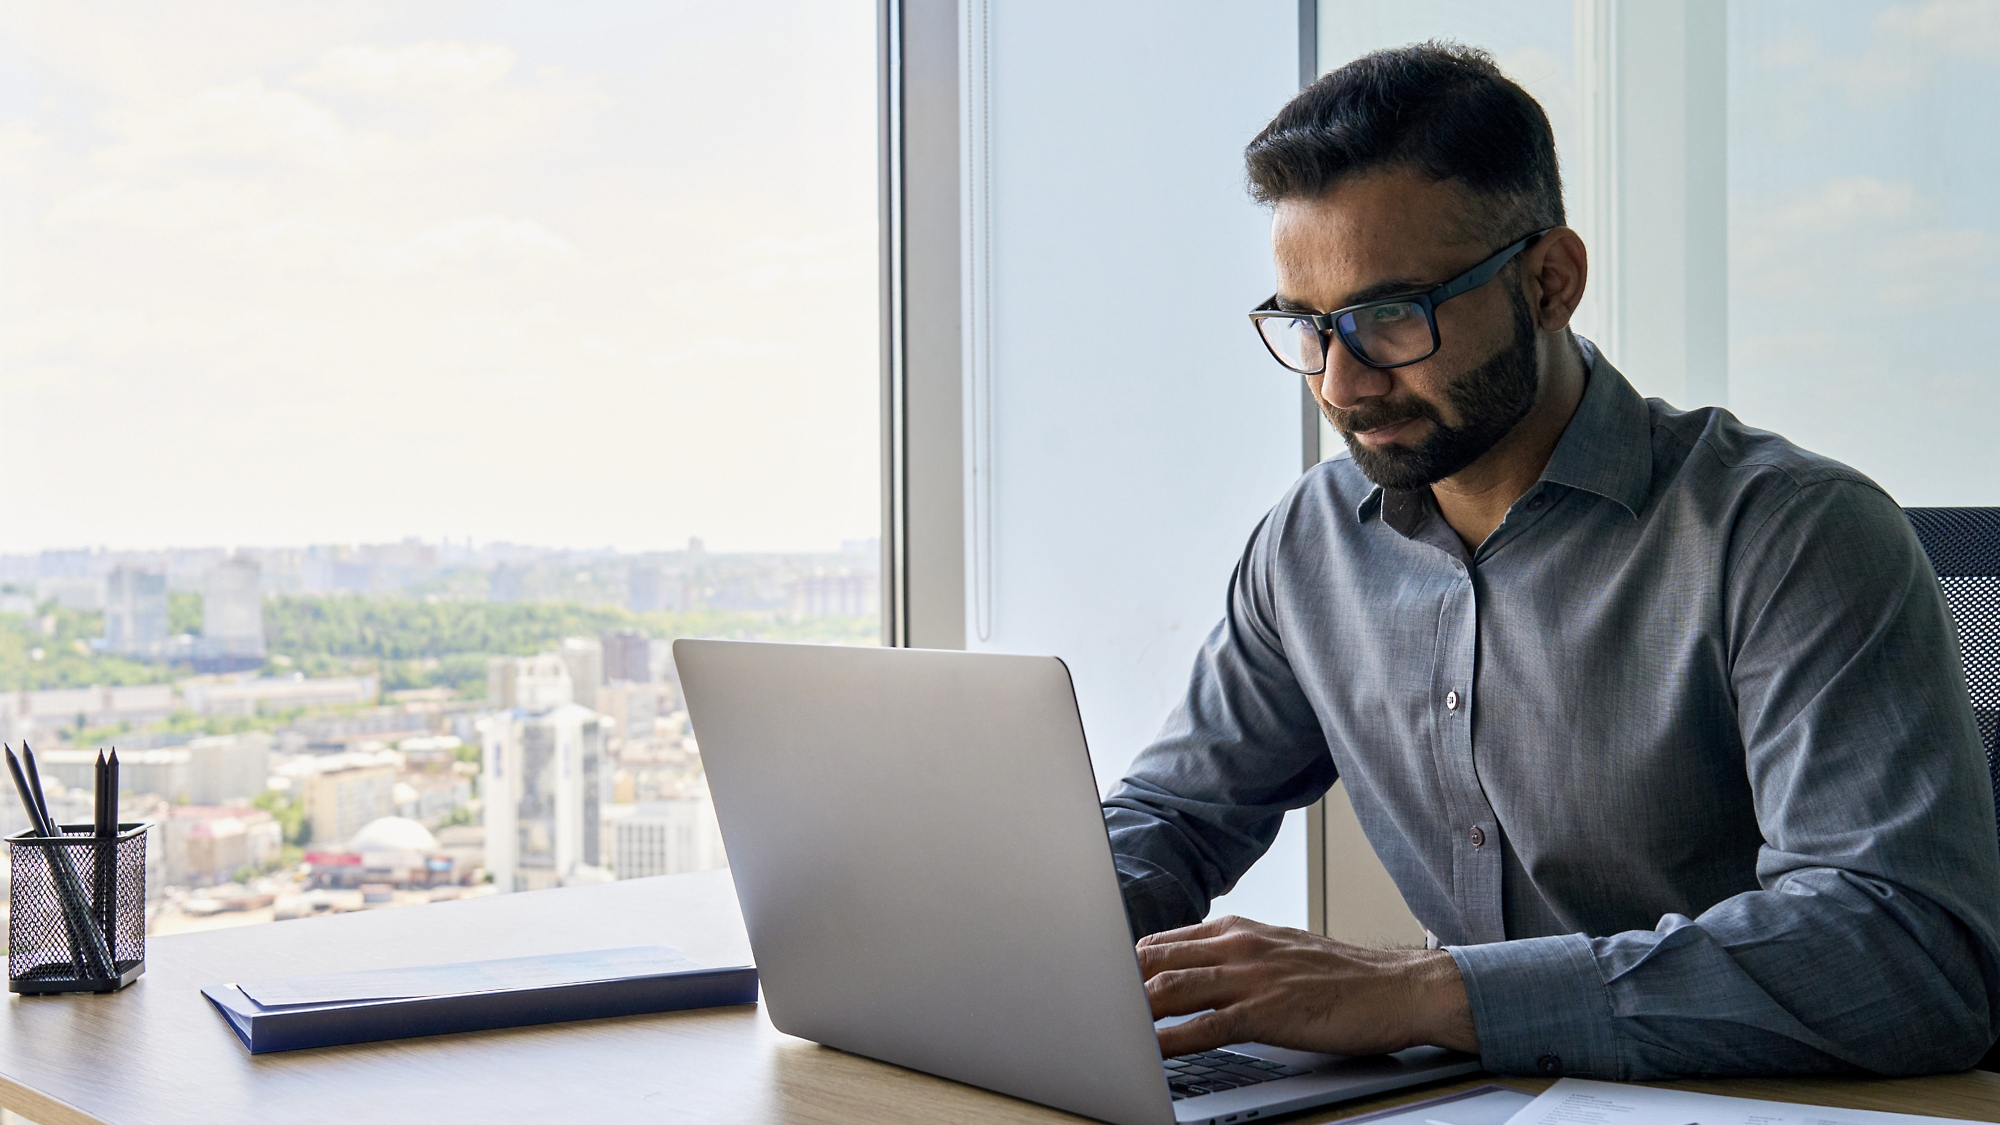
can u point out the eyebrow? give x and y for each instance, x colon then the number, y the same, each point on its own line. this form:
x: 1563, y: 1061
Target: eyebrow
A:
x: 1394, y: 287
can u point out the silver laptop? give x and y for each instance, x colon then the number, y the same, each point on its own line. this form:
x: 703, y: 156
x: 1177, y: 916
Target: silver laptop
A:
x: 916, y: 840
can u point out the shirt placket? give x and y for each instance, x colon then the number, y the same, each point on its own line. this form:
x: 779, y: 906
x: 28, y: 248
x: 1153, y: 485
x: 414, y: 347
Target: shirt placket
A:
x: 1475, y: 831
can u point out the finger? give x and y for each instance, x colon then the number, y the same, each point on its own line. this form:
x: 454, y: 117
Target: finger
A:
x: 1204, y: 1032
x: 1181, y: 991
x: 1193, y: 954
x: 1199, y: 930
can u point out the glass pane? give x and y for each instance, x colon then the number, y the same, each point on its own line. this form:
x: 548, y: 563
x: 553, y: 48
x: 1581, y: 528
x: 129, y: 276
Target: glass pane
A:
x: 1864, y: 242
x: 1530, y: 39
x: 1296, y: 343
x: 386, y: 387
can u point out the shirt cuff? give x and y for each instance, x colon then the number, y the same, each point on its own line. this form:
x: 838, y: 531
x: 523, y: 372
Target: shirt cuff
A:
x: 1539, y: 1007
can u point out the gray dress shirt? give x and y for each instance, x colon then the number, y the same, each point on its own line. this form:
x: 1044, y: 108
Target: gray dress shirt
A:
x: 1679, y: 763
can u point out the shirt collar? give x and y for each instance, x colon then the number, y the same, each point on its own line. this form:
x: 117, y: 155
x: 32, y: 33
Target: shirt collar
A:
x: 1607, y: 448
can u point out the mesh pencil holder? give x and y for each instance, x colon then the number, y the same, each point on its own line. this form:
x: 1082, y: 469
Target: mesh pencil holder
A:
x: 76, y: 910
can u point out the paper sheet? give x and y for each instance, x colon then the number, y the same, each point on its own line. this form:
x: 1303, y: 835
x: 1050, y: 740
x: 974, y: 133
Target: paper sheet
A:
x: 470, y: 976
x: 1488, y: 1105
x: 1576, y: 1101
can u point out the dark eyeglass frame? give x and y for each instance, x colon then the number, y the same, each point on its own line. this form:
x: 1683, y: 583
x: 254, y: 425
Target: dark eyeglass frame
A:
x: 1328, y: 323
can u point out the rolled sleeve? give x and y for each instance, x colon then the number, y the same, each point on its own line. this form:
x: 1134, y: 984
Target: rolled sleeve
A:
x: 1539, y: 1006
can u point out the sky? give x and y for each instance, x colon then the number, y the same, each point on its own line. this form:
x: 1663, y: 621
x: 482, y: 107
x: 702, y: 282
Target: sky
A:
x: 1865, y: 239
x: 299, y: 271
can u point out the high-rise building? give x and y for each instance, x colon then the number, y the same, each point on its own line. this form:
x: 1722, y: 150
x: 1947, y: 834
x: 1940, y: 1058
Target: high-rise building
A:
x: 135, y: 612
x: 339, y: 802
x: 584, y: 656
x: 667, y: 838
x: 542, y: 785
x: 628, y: 657
x: 232, y: 617
x: 528, y: 683
x: 839, y: 593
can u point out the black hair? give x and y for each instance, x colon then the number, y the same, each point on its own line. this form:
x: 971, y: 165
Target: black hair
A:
x: 1439, y: 108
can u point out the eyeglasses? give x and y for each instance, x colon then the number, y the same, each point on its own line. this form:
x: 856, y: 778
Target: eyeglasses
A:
x: 1391, y: 332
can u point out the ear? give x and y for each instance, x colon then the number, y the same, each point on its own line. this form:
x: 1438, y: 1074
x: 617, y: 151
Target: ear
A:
x: 1553, y: 272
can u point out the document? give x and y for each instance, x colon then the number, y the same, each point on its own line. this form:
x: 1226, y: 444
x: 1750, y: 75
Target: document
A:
x: 1486, y: 1105
x: 1576, y: 1101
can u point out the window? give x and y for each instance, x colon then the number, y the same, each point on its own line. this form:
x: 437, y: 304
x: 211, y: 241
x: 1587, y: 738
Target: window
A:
x: 384, y: 388
x: 1864, y: 246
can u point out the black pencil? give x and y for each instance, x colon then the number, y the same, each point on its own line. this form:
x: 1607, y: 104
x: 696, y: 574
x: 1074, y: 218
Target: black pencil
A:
x: 35, y: 790
x: 111, y: 807
x: 97, y: 796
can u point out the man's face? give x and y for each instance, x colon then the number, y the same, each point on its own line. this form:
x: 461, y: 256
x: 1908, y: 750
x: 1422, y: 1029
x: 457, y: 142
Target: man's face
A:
x: 1394, y: 233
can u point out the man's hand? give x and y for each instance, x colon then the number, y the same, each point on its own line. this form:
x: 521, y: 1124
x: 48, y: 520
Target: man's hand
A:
x: 1289, y: 988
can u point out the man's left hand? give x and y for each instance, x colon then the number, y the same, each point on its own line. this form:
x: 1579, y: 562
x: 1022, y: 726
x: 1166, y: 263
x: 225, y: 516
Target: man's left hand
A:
x: 1290, y: 988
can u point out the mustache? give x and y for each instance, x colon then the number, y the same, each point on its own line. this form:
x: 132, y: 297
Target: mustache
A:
x: 1375, y: 415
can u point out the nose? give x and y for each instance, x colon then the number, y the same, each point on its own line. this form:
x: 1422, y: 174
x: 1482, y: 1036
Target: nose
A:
x: 1347, y: 380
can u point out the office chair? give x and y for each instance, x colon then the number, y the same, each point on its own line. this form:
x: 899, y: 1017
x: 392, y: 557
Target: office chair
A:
x: 1964, y: 547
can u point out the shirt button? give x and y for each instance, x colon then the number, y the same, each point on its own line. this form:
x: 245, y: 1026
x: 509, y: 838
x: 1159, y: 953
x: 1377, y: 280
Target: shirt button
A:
x: 1551, y: 1065
x: 1451, y: 700
x: 1478, y: 836
x: 1538, y: 503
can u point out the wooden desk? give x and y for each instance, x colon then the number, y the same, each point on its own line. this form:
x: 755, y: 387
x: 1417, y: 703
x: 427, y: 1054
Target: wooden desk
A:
x: 157, y: 1054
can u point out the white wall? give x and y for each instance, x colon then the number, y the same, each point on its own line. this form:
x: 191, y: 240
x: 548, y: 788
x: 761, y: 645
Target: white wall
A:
x: 1124, y: 429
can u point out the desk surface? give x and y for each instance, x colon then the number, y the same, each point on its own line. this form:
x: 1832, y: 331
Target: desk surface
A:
x: 158, y: 1054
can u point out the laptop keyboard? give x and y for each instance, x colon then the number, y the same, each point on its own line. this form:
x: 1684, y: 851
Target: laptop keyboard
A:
x: 1210, y: 1071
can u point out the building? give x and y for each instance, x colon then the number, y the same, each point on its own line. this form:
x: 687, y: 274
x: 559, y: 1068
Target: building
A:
x: 339, y: 801
x: 135, y: 612
x: 205, y: 845
x: 629, y: 710
x: 666, y: 838
x: 628, y: 657
x: 837, y: 593
x: 543, y: 793
x: 266, y: 696
x: 22, y: 713
x: 81, y: 591
x: 224, y: 770
x: 650, y: 589
x: 392, y: 850
x: 584, y: 656
x: 528, y: 683
x: 232, y: 618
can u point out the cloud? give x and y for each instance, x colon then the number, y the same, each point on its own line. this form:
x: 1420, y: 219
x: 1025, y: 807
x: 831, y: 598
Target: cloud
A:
x: 245, y: 119
x: 724, y: 348
x: 360, y: 251
x: 189, y: 206
x: 457, y: 68
x: 841, y: 256
x: 18, y: 138
x: 1967, y: 28
x: 1905, y: 43
x: 1839, y: 204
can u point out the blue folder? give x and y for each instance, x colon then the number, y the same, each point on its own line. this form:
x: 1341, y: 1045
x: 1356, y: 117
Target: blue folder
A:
x: 327, y: 1009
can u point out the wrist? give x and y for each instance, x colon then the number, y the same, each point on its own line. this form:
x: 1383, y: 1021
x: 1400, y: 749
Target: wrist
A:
x: 1443, y: 1009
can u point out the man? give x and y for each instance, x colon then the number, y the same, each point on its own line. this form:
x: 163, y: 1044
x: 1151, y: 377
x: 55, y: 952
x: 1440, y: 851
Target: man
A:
x: 1657, y: 720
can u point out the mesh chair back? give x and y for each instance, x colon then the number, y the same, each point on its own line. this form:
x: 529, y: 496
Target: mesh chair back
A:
x: 1964, y: 546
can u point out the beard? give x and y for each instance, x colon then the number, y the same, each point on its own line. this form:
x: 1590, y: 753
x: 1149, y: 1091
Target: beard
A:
x: 1490, y: 400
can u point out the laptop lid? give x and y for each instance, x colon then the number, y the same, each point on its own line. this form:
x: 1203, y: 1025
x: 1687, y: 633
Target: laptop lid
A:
x: 923, y: 866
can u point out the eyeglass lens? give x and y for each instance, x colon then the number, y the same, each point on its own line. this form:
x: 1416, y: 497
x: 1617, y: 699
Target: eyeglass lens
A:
x: 1389, y: 333
x: 1295, y: 342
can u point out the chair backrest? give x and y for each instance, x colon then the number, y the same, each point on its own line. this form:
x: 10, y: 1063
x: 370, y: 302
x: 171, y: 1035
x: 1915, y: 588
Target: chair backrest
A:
x: 1964, y: 546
